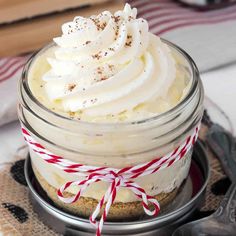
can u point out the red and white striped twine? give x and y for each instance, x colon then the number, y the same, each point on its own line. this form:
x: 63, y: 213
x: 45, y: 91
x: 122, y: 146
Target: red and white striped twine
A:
x: 116, y: 177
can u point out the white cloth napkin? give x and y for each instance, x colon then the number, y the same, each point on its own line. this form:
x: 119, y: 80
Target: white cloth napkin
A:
x: 208, y: 36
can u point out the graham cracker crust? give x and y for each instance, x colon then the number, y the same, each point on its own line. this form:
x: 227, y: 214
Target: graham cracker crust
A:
x: 84, y: 206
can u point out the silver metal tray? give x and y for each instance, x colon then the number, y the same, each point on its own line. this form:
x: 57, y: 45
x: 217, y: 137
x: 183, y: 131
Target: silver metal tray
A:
x: 187, y: 201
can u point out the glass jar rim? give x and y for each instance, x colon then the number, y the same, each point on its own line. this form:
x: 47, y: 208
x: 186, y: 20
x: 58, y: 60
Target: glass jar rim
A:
x: 180, y: 105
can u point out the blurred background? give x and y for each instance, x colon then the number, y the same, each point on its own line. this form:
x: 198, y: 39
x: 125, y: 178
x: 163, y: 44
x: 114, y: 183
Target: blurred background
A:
x: 27, y: 25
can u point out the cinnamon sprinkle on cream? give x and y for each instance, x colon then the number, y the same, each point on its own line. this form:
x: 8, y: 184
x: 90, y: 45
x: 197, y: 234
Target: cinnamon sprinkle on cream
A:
x: 71, y: 114
x: 129, y: 41
x: 97, y: 55
x: 71, y: 87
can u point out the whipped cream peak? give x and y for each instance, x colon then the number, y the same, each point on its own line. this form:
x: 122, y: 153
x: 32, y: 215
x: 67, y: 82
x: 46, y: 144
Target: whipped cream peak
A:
x: 108, y: 64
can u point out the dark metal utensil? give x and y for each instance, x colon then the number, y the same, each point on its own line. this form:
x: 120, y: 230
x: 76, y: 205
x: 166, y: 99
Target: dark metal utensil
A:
x: 223, y: 145
x: 221, y: 223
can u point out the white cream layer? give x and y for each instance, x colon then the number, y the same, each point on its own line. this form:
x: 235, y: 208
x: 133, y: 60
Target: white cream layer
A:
x: 108, y: 68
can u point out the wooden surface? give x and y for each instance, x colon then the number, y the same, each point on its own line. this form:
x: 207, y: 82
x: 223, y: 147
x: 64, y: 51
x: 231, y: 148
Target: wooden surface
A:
x: 30, y: 35
x: 15, y: 10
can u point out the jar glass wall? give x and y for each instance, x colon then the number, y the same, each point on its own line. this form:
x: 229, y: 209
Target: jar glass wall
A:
x: 115, y: 145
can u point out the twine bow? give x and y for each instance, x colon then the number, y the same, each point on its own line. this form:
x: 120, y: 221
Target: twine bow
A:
x: 116, y: 181
x: 116, y: 177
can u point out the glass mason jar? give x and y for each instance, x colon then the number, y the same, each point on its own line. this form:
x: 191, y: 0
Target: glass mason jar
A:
x: 115, y: 145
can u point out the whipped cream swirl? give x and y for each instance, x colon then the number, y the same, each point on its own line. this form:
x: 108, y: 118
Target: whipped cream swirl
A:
x: 108, y: 64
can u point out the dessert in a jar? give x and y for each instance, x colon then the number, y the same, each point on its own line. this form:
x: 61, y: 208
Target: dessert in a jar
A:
x: 109, y: 93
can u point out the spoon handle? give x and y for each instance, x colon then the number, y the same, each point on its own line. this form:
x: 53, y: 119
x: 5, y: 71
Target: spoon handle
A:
x: 223, y: 145
x: 227, y: 209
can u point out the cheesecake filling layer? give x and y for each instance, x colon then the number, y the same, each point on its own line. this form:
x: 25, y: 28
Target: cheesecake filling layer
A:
x: 164, y: 181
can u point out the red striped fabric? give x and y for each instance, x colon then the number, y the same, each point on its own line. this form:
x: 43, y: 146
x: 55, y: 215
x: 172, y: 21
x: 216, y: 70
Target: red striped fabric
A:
x: 10, y: 63
x: 167, y: 15
x: 10, y: 66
